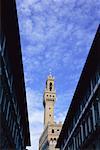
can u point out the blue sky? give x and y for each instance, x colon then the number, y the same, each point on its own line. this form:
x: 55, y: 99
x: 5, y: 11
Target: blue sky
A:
x: 56, y: 35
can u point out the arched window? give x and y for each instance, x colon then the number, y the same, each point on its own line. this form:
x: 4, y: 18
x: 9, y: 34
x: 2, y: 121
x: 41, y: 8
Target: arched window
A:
x: 52, y: 130
x: 50, y: 86
x: 54, y: 142
x: 46, y: 84
x: 51, y: 142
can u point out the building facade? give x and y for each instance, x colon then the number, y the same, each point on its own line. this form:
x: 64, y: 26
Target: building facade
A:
x: 52, y: 130
x: 14, y: 125
x: 81, y: 128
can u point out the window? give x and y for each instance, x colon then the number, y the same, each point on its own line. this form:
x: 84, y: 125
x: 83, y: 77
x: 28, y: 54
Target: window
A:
x: 51, y: 142
x: 9, y: 118
x: 4, y: 104
x: 7, y: 111
x: 84, y: 134
x: 17, y: 141
x: 89, y: 124
x: 15, y: 135
x: 46, y: 84
x: 52, y: 130
x: 65, y: 141
x: 96, y: 109
x: 81, y: 107
x: 62, y: 146
x: 2, y: 43
x: 88, y: 91
x: 94, y: 147
x: 83, y: 102
x: 1, y: 94
x: 50, y: 87
x: 71, y: 146
x: 11, y: 126
x: 95, y: 77
x: 13, y: 130
x: 54, y: 142
x: 77, y: 141
x: 6, y: 107
x: 86, y: 130
x: 80, y: 138
x: 91, y: 120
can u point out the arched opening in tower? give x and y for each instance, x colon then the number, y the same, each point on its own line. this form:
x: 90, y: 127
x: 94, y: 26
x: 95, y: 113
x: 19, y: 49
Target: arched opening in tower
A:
x: 50, y: 87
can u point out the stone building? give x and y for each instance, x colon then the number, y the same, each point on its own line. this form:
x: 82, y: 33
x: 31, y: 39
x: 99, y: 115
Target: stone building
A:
x: 81, y: 128
x: 14, y: 125
x: 52, y: 130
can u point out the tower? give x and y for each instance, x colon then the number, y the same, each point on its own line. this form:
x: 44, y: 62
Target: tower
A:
x: 49, y: 101
x: 52, y: 129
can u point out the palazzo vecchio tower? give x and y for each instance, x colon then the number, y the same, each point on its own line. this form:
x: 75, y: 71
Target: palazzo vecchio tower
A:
x: 52, y: 130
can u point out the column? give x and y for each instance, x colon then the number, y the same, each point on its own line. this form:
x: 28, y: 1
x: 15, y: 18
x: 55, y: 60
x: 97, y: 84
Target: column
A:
x: 93, y: 116
x: 89, y: 123
x: 82, y: 132
x: 86, y: 128
x: 74, y: 143
x: 98, y: 102
x: 1, y: 96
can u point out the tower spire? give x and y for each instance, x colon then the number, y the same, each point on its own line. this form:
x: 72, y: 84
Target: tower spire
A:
x: 50, y: 71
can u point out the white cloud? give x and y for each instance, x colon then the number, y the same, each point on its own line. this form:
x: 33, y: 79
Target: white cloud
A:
x: 36, y: 116
x: 36, y: 131
x: 60, y: 117
x: 34, y: 100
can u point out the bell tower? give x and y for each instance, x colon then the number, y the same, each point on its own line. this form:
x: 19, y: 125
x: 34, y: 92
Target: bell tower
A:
x: 52, y: 129
x: 49, y: 100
